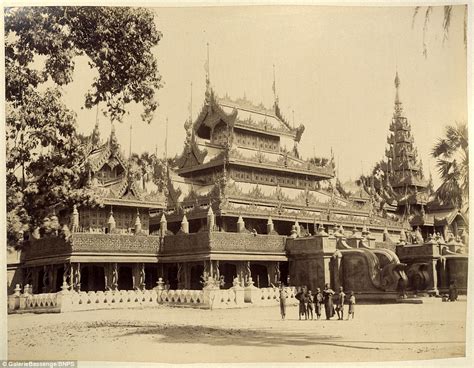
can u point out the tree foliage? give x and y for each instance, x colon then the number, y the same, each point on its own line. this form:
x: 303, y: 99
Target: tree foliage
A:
x: 452, y: 154
x: 147, y: 167
x: 44, y: 159
x: 447, y: 16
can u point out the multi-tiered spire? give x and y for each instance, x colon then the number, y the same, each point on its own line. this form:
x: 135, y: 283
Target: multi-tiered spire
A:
x: 404, y: 169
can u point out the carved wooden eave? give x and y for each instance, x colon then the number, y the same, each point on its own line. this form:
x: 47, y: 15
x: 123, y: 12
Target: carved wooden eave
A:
x: 211, y: 113
x: 191, y: 156
x: 103, y: 155
x: 297, y: 132
x: 173, y: 194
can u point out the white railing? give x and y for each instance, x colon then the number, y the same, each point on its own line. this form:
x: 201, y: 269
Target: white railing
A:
x: 42, y: 301
x: 190, y: 297
x: 271, y: 296
x: 66, y: 300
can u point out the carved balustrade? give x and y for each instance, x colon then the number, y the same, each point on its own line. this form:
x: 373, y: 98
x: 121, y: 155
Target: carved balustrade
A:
x: 92, y: 242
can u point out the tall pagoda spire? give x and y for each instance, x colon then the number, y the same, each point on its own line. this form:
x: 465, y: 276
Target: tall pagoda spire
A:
x: 405, y: 172
x: 398, y: 104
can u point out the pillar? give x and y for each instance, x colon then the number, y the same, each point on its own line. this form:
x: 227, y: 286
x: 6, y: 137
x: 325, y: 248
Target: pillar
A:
x: 327, y: 270
x: 336, y: 267
x: 443, y: 273
x: 138, y: 224
x: 163, y: 226
x: 185, y: 225
x: 111, y: 222
x: 180, y: 275
x: 138, y: 275
x: 210, y: 219
x: 75, y: 219
x: 240, y: 225
x: 270, y: 226
x: 434, y: 276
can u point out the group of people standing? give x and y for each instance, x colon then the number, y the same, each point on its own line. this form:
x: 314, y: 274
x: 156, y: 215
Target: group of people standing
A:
x: 309, y: 302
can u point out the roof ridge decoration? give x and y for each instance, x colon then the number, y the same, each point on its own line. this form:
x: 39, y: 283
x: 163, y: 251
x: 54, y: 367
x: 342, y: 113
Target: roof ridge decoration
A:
x: 192, y: 155
x: 297, y: 131
x: 245, y: 104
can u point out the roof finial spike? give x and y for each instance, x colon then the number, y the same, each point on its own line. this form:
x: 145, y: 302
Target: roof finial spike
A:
x: 274, y: 85
x: 398, y: 104
x: 206, y: 68
x: 191, y: 105
x: 166, y: 142
x: 397, y: 83
x: 130, y: 147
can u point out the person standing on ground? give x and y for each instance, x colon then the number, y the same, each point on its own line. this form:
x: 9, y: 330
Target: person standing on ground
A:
x: 328, y: 303
x: 282, y: 295
x: 318, y: 301
x: 309, y: 305
x: 301, y: 299
x: 453, y: 291
x: 352, y: 301
x: 340, y: 304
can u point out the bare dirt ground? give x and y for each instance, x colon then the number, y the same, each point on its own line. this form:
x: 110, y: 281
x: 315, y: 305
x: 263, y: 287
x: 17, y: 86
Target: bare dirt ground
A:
x: 175, y: 335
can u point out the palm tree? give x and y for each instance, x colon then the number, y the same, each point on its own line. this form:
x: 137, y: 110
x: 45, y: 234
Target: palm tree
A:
x: 452, y: 154
x: 448, y: 12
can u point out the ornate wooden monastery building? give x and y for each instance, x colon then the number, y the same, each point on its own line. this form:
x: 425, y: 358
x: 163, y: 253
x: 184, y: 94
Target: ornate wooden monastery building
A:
x: 106, y: 246
x: 241, y: 188
x: 240, y: 204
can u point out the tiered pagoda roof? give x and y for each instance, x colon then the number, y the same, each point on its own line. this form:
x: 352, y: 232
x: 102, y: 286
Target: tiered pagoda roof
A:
x: 242, y: 158
x: 405, y: 172
x: 119, y: 189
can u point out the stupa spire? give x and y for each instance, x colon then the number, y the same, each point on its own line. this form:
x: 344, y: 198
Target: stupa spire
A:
x: 398, y: 103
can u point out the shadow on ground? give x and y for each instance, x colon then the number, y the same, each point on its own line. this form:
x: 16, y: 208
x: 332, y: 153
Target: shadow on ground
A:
x: 213, y: 336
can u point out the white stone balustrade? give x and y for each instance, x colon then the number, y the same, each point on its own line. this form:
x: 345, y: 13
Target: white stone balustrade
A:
x: 211, y: 297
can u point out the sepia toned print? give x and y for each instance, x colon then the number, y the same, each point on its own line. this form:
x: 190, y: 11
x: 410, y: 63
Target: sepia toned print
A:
x: 313, y: 209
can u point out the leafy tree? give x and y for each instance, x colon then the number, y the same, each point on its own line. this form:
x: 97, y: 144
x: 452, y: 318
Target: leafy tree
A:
x: 319, y: 161
x: 147, y: 167
x: 452, y: 154
x: 44, y: 159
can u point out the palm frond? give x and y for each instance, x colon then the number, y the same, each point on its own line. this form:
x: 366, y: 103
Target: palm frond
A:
x: 429, y: 9
x: 441, y: 148
x: 447, y: 20
x: 465, y: 26
x: 415, y: 13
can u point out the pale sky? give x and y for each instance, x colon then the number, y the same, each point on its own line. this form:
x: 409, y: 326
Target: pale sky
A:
x: 335, y: 67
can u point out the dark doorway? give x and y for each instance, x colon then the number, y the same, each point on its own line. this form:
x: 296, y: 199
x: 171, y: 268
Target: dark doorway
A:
x: 229, y: 271
x: 196, y: 273
x: 40, y: 288
x: 284, y: 272
x: 92, y: 278
x: 59, y: 279
x: 172, y: 277
x: 125, y: 278
x: 259, y: 275
x: 283, y: 227
x: 151, y: 276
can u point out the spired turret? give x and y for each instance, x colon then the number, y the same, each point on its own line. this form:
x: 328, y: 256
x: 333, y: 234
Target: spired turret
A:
x: 404, y: 170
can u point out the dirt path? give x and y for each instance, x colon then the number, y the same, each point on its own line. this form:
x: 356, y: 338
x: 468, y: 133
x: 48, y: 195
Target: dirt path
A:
x: 173, y: 335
